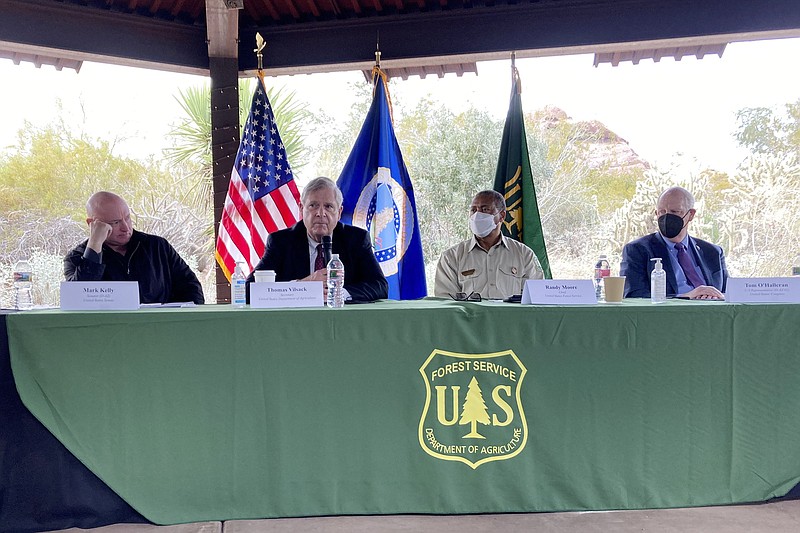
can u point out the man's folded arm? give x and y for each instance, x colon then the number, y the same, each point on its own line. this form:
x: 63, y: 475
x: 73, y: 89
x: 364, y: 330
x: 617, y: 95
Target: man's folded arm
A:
x: 86, y: 267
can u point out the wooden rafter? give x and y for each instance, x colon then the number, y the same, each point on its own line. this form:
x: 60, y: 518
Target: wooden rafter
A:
x: 196, y: 10
x: 312, y: 6
x: 292, y: 9
x: 177, y: 9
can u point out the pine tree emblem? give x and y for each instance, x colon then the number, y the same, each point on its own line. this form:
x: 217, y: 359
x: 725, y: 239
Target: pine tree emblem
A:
x: 474, y: 410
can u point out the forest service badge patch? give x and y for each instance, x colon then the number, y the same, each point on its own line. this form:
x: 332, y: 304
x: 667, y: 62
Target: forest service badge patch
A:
x: 473, y: 412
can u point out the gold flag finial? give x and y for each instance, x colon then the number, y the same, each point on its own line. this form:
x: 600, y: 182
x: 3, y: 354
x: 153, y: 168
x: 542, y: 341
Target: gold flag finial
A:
x: 260, y: 45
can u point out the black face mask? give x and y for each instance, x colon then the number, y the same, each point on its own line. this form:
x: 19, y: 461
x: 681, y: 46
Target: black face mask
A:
x: 670, y: 225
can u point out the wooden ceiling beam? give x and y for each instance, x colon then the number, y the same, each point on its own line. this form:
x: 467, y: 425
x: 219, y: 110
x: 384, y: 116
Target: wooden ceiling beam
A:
x: 524, y: 26
x: 99, y: 33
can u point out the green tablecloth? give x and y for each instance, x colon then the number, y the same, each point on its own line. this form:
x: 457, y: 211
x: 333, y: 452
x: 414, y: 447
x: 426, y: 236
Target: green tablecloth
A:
x: 214, y: 413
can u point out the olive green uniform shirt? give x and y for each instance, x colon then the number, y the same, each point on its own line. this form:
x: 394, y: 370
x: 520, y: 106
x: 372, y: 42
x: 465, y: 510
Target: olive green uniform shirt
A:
x: 499, y: 273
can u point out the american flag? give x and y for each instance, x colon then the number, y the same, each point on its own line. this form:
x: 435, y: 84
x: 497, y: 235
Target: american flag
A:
x: 262, y: 196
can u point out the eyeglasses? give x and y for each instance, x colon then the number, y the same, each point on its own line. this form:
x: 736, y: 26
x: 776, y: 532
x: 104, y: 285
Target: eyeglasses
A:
x: 464, y: 297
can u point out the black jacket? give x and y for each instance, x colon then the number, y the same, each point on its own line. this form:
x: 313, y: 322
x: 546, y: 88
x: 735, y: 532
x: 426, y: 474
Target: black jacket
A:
x: 287, y: 254
x: 162, y: 275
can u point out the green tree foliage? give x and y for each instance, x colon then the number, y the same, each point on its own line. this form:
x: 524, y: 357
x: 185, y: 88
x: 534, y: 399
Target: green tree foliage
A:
x: 46, y: 180
x: 768, y: 131
x: 50, y: 171
x: 450, y: 157
x: 191, y: 137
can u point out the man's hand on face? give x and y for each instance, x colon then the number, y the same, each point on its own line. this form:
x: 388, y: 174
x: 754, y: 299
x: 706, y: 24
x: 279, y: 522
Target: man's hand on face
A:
x: 319, y: 275
x: 704, y: 292
x: 98, y: 233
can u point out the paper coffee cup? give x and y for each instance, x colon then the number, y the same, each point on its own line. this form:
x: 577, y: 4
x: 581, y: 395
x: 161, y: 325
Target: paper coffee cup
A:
x: 615, y: 288
x: 265, y: 276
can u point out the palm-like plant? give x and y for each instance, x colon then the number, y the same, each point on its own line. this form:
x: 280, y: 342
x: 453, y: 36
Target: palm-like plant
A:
x: 191, y: 149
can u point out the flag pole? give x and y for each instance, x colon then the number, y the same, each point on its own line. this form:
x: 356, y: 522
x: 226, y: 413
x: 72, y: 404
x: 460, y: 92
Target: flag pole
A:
x: 378, y: 50
x: 515, y: 81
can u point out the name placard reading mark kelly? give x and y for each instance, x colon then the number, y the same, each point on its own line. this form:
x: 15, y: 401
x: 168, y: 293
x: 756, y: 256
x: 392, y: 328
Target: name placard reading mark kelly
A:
x: 99, y: 295
x: 286, y: 294
x: 763, y: 290
x: 559, y: 291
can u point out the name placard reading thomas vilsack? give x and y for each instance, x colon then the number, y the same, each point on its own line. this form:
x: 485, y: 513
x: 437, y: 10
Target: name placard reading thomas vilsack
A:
x: 559, y: 291
x: 286, y: 294
x: 99, y: 295
x: 763, y: 290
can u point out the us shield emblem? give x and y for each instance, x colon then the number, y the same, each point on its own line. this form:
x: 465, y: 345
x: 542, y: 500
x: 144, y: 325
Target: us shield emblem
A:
x: 473, y: 412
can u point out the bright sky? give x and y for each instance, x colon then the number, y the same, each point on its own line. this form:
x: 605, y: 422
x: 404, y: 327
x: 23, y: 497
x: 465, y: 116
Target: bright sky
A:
x: 659, y: 108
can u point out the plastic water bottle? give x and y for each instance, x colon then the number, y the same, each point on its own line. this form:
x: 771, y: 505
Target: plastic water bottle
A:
x: 335, y: 282
x: 796, y: 266
x: 238, y: 287
x: 601, y: 269
x: 23, y: 285
x: 658, y: 283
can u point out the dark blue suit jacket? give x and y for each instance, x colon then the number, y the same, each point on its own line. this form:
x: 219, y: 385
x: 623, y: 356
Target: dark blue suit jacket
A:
x: 636, y: 265
x: 287, y: 254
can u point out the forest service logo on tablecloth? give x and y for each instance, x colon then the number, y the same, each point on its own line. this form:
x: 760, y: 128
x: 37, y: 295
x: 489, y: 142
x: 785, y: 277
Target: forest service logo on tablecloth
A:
x: 473, y: 412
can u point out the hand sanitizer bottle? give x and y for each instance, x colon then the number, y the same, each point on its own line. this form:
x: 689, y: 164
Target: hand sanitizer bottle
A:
x: 658, y: 283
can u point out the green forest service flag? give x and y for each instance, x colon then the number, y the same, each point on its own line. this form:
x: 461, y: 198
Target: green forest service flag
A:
x: 515, y: 182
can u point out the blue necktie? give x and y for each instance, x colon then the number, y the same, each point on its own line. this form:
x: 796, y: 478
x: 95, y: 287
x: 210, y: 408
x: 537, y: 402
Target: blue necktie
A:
x: 688, y: 268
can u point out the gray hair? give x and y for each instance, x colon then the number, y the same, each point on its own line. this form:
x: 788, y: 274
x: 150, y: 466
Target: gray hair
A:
x: 321, y: 183
x: 497, y: 198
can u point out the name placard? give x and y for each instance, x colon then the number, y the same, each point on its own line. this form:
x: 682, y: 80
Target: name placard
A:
x: 286, y: 294
x: 99, y: 295
x: 559, y: 291
x: 763, y: 290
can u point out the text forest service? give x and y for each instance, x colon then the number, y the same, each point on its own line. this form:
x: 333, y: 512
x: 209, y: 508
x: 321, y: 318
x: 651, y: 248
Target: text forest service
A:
x: 473, y: 410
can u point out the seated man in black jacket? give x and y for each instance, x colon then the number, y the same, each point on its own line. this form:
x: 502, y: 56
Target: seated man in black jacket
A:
x: 115, y: 251
x: 296, y: 253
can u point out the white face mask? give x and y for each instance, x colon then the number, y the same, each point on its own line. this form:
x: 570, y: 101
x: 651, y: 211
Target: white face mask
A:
x: 481, y: 224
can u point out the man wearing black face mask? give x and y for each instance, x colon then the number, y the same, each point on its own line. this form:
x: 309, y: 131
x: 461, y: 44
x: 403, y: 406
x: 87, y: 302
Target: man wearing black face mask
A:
x: 695, y: 268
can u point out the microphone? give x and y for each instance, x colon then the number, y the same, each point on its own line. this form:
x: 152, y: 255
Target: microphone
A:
x: 326, y: 248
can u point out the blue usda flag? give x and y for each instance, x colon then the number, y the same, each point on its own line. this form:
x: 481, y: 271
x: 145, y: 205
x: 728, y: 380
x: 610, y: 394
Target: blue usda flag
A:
x: 378, y: 197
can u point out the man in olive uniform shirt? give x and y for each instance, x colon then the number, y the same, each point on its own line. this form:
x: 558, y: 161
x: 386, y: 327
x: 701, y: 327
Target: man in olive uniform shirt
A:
x: 489, y: 263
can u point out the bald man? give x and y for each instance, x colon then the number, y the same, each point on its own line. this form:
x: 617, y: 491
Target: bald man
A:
x: 115, y: 251
x: 695, y: 268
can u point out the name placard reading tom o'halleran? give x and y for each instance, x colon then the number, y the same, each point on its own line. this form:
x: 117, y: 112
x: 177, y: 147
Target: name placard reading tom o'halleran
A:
x: 763, y: 290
